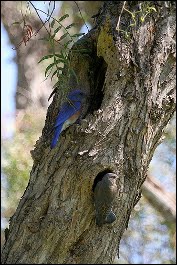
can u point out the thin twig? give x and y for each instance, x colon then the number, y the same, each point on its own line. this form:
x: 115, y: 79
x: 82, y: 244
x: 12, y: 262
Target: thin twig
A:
x: 43, y: 23
x: 81, y: 14
x: 117, y: 27
x: 51, y: 11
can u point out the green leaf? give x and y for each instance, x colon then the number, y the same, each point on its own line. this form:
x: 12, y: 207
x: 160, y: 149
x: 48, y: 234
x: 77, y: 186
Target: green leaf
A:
x: 63, y: 17
x: 57, y: 29
x: 63, y: 36
x: 78, y: 35
x: 52, y: 23
x: 61, y: 59
x: 16, y: 23
x: 63, y: 55
x: 46, y: 57
x: 71, y: 25
x: 53, y: 92
x: 68, y: 42
x: 58, y: 61
x: 52, y: 36
x: 48, y: 68
x: 56, y: 84
x: 54, y: 73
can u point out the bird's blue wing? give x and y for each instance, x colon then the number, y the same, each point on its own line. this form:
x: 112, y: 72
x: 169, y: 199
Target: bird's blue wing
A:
x: 67, y: 110
x: 64, y: 114
x: 56, y: 135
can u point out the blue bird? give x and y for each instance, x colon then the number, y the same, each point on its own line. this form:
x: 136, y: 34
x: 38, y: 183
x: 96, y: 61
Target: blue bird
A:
x: 68, y: 114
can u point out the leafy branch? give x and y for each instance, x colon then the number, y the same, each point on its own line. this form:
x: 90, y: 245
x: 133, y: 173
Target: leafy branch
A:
x: 59, y: 66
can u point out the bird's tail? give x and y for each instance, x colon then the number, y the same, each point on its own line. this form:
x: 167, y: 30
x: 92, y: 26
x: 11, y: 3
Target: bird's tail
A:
x: 56, y: 135
x: 110, y: 218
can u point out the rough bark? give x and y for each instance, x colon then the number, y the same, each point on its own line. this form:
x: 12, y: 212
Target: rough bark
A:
x: 131, y: 84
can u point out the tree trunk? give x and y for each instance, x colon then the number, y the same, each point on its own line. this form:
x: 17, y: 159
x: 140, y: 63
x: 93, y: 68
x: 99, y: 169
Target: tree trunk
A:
x: 131, y: 83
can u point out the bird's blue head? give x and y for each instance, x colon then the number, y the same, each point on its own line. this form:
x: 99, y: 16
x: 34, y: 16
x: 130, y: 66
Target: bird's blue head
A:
x: 76, y: 95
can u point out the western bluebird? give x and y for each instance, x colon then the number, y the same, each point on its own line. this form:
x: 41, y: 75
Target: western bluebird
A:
x: 68, y: 114
x: 104, y: 194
